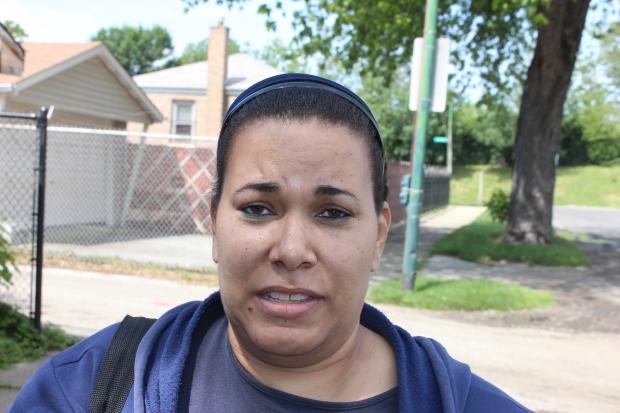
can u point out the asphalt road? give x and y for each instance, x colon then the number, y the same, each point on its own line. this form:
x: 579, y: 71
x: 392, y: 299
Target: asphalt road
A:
x: 600, y: 222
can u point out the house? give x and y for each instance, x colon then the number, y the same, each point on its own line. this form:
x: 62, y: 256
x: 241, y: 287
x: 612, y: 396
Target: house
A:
x: 83, y: 81
x: 88, y: 88
x: 194, y: 97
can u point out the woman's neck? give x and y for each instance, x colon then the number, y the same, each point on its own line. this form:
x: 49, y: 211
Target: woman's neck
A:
x: 338, y: 376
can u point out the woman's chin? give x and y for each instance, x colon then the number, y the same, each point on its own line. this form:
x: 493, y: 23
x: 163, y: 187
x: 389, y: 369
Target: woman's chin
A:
x: 284, y: 342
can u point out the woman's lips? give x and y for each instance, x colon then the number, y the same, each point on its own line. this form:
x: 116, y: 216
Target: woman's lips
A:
x: 287, y: 303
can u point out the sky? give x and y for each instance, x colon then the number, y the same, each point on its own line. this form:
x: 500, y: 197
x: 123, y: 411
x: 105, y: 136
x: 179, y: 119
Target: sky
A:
x: 79, y: 20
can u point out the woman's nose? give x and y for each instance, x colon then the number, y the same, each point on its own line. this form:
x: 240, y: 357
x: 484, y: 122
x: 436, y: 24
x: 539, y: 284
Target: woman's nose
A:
x: 293, y: 246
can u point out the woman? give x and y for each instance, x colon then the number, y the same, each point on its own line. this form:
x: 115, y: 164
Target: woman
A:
x: 300, y: 221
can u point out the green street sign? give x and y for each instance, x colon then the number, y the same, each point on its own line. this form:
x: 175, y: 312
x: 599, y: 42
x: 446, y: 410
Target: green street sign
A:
x: 440, y: 139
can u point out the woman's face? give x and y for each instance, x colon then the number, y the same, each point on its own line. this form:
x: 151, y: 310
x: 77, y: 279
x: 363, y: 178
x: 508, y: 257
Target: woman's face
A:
x: 296, y: 235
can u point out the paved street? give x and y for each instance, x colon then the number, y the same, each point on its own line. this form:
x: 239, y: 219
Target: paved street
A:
x: 601, y: 222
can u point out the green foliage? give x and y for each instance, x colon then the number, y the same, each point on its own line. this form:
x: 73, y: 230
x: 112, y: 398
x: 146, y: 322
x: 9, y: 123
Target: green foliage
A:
x: 285, y: 57
x: 478, y: 242
x: 581, y: 185
x: 493, y: 39
x: 15, y: 29
x: 483, y: 134
x: 610, y: 42
x: 7, y: 255
x: 498, y: 206
x: 136, y: 48
x: 19, y: 340
x: 588, y: 185
x: 198, y: 51
x: 390, y: 107
x: 591, y: 126
x: 465, y: 295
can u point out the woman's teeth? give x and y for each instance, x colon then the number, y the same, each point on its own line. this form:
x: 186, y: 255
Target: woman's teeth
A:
x: 291, y: 298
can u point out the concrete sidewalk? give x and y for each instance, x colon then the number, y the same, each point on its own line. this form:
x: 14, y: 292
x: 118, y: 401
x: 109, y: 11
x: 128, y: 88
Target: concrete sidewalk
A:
x: 433, y: 226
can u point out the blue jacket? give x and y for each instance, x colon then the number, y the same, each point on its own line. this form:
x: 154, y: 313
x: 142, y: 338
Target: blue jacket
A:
x: 429, y: 380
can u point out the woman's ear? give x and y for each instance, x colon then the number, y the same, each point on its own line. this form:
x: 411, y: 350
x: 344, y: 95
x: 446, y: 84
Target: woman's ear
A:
x: 383, y: 227
x: 213, y: 213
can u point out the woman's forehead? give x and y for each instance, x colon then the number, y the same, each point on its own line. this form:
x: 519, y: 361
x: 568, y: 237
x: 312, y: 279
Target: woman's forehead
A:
x: 311, y: 149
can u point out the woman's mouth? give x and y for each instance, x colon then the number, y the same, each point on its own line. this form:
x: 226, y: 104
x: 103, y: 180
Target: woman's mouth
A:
x: 287, y: 304
x: 287, y: 298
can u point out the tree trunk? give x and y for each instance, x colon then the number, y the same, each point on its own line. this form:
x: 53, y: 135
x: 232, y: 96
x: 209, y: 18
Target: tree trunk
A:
x: 540, y: 116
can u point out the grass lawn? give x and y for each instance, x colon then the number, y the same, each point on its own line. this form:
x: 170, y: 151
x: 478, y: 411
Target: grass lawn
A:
x: 477, y: 242
x: 467, y: 295
x: 20, y: 341
x: 579, y: 185
x: 206, y: 276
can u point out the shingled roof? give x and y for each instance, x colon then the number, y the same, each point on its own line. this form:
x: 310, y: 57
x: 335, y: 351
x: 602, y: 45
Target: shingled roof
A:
x: 243, y: 71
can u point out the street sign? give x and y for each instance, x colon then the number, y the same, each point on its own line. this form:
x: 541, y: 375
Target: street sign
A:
x: 440, y: 77
x: 440, y: 139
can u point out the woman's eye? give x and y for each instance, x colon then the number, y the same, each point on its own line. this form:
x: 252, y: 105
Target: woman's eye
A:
x: 256, y: 211
x: 334, y: 214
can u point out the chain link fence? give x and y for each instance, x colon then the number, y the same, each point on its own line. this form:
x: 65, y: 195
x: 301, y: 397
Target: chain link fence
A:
x: 129, y: 196
x: 139, y: 197
x: 19, y: 174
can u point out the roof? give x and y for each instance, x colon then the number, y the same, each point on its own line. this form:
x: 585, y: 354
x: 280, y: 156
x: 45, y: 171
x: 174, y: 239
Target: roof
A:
x: 11, y: 42
x: 243, y: 71
x: 41, y: 56
x: 44, y: 60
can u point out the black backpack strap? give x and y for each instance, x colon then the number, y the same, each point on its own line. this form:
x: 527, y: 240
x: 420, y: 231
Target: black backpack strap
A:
x: 115, y: 375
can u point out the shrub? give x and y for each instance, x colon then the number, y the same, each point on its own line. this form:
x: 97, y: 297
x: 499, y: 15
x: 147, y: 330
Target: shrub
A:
x: 19, y: 340
x: 498, y: 206
x: 7, y: 256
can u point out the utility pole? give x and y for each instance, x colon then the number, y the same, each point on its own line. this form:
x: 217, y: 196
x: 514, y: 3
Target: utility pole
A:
x: 414, y: 204
x: 449, y: 148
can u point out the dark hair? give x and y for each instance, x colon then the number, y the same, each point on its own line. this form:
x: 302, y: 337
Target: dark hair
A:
x: 294, y: 103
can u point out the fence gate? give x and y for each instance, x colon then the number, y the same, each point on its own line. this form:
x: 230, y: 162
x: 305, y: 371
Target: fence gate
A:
x: 23, y: 139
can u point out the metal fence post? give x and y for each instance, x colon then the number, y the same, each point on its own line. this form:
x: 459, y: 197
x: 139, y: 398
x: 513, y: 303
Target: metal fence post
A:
x: 42, y: 128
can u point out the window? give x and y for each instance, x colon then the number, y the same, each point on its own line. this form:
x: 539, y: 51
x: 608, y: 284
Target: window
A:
x: 183, y: 117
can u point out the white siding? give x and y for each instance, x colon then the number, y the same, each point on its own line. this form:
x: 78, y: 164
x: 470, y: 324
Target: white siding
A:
x: 83, y: 183
x: 64, y: 118
x: 87, y: 88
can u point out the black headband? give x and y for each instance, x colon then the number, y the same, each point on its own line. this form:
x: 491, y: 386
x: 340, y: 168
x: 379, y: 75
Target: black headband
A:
x: 299, y: 80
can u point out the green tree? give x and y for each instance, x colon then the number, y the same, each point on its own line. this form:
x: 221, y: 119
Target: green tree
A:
x: 136, y: 48
x: 15, y: 29
x: 198, y: 51
x: 591, y: 128
x: 285, y: 57
x: 495, y: 37
x: 610, y: 42
x: 483, y: 134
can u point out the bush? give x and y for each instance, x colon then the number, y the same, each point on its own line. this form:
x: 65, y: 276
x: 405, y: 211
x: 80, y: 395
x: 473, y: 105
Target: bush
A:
x: 7, y: 256
x: 19, y: 340
x: 498, y: 206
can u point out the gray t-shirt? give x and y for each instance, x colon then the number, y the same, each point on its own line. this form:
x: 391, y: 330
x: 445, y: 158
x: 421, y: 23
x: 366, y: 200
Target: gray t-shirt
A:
x: 225, y: 386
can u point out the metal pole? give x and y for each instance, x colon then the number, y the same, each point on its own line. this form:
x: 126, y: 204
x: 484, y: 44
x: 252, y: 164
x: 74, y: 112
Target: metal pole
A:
x: 42, y: 128
x: 449, y: 157
x: 417, y: 168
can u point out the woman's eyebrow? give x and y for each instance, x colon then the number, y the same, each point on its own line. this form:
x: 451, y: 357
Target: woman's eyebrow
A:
x: 332, y: 190
x: 259, y: 187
